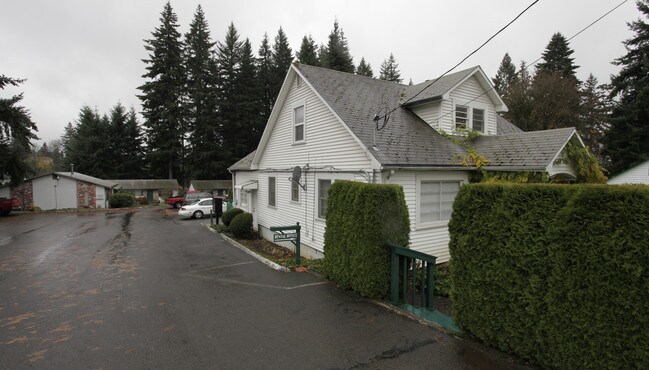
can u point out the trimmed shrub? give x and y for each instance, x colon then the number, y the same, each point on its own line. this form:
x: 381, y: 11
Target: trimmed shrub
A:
x: 361, y: 219
x: 241, y: 226
x: 230, y: 214
x: 556, y: 273
x: 121, y: 200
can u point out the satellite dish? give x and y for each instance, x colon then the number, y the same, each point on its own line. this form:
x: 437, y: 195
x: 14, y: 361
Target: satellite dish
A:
x: 297, y: 174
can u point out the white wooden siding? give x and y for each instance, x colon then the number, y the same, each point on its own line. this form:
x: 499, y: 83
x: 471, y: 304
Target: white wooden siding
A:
x: 430, y: 240
x: 329, y: 151
x: 636, y: 175
x: 431, y: 113
x: 466, y: 94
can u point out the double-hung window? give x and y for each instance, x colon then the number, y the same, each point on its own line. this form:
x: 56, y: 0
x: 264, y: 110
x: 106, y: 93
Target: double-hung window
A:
x: 298, y: 124
x: 295, y: 192
x: 478, y: 120
x: 323, y: 197
x: 436, y: 200
x: 272, y: 191
x: 461, y: 117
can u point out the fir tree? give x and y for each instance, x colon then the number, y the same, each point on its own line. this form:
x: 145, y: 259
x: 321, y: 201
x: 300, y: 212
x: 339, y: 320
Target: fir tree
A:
x: 518, y: 100
x: 16, y: 132
x: 125, y: 144
x: 627, y: 141
x: 505, y: 77
x: 89, y: 146
x: 557, y: 58
x: 282, y: 56
x: 201, y: 97
x: 162, y: 97
x: 364, y: 69
x: 336, y: 55
x: 593, y: 120
x: 248, y: 97
x: 390, y: 70
x: 308, y: 52
x: 265, y: 78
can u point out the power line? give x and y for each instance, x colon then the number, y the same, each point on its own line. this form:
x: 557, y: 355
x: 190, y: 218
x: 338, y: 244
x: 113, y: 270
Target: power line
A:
x: 531, y: 64
x: 377, y: 117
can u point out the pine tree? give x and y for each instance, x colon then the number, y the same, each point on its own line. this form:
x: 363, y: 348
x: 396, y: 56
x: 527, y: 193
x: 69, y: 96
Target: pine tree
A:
x: 557, y: 58
x: 89, y: 149
x: 627, y: 141
x: 125, y: 144
x: 248, y: 97
x: 201, y: 98
x: 282, y: 56
x: 518, y: 100
x: 364, y: 69
x: 336, y: 54
x: 390, y: 70
x: 505, y: 77
x: 162, y: 98
x: 265, y: 78
x: 308, y: 52
x: 593, y: 120
x: 16, y: 132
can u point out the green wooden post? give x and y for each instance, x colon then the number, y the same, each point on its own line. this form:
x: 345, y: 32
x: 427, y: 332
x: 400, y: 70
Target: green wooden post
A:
x: 394, y: 276
x: 298, y: 258
x: 430, y: 287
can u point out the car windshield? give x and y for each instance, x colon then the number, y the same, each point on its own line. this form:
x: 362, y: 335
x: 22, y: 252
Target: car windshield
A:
x: 194, y: 201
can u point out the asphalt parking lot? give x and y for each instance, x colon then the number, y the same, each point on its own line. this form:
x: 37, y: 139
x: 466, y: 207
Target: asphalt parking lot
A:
x: 147, y: 289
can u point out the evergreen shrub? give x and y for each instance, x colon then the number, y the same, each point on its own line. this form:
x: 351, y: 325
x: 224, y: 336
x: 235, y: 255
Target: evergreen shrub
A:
x: 241, y: 226
x: 121, y: 200
x: 558, y: 274
x: 361, y: 219
x: 230, y: 214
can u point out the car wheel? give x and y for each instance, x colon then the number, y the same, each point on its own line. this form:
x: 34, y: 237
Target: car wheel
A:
x: 198, y: 214
x: 177, y: 205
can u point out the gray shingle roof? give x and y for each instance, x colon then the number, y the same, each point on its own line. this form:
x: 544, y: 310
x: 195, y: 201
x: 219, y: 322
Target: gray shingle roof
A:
x: 147, y: 184
x: 86, y: 178
x: 438, y: 87
x: 211, y: 184
x: 504, y: 127
x: 532, y: 151
x: 244, y: 163
x: 405, y: 141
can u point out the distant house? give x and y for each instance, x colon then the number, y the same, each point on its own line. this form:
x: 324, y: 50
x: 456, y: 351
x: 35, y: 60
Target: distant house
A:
x: 216, y: 187
x: 638, y: 174
x: 324, y: 123
x: 62, y: 190
x: 151, y: 188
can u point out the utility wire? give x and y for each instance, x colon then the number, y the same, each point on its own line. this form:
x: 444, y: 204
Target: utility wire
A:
x: 585, y: 28
x: 531, y: 64
x: 455, y: 66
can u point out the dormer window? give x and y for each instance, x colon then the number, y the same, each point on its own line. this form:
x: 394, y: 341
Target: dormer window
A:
x: 461, y: 117
x: 468, y: 118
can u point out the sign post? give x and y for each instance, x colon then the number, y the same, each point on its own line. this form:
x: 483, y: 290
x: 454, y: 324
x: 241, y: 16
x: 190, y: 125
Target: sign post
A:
x: 293, y: 237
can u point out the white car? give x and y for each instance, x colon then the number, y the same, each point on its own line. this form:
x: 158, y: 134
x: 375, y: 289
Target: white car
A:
x: 197, y: 209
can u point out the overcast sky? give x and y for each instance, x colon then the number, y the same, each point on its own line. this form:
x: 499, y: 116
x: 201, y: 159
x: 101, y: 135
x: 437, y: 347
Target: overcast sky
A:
x: 76, y: 52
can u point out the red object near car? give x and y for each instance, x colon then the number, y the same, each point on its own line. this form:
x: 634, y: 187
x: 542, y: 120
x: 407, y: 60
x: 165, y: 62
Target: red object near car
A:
x: 190, y: 197
x: 5, y: 206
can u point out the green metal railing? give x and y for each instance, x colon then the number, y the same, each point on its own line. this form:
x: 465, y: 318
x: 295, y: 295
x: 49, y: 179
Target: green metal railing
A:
x: 411, y: 277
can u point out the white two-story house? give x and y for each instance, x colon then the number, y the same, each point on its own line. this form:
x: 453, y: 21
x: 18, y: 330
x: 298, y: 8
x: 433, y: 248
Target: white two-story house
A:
x: 324, y: 122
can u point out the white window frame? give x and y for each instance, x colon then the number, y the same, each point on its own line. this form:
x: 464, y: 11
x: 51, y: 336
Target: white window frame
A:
x: 319, y: 215
x: 484, y: 119
x: 452, y: 178
x: 295, y: 190
x: 295, y: 107
x: 333, y: 177
x: 466, y: 119
x: 274, y: 198
x: 469, y: 119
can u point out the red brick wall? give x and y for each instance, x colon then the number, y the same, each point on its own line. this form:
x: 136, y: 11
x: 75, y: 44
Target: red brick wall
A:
x: 24, y: 192
x: 84, y: 188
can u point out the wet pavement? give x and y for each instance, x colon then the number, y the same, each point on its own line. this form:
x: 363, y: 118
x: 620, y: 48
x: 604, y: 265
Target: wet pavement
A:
x: 146, y: 289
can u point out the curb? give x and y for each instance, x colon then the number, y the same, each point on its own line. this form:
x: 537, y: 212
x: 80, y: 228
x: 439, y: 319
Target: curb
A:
x: 262, y: 259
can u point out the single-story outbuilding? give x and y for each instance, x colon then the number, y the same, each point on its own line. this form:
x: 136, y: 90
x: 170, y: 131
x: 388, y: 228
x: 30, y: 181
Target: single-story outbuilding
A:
x: 152, y: 189
x: 62, y: 190
x: 216, y: 187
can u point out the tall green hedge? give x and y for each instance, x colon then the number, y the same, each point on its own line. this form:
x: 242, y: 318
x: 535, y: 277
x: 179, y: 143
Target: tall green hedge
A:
x: 556, y: 273
x: 361, y: 219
